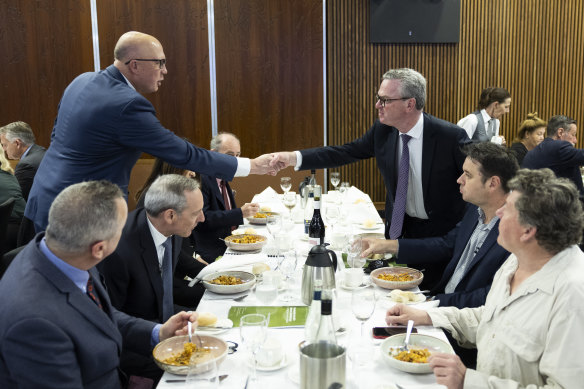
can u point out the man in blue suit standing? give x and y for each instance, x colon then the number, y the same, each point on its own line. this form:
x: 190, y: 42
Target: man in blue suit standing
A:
x: 104, y: 123
x: 470, y: 250
x: 221, y: 212
x: 59, y: 328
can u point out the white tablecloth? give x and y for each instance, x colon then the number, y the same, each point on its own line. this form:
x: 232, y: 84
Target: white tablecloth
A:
x: 376, y: 374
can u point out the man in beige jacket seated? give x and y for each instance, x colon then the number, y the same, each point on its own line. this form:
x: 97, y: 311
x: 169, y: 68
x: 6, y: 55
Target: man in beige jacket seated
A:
x: 529, y: 333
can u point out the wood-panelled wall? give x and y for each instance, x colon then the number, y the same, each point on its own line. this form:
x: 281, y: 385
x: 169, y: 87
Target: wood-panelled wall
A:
x: 532, y: 48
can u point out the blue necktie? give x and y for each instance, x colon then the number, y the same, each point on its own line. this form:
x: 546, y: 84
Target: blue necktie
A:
x: 401, y: 193
x: 167, y: 302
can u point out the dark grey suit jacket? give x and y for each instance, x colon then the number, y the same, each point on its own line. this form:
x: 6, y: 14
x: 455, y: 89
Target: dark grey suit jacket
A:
x: 26, y: 168
x: 53, y: 336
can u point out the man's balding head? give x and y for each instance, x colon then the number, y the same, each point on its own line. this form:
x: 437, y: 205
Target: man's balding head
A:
x: 132, y: 44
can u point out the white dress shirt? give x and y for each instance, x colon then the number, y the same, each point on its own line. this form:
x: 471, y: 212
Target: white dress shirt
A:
x: 470, y: 123
x: 159, y: 240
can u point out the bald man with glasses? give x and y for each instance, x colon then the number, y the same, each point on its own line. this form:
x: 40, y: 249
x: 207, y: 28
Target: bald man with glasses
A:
x: 104, y: 123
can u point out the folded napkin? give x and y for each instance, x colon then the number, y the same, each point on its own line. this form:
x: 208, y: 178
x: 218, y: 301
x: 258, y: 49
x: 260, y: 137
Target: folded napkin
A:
x: 267, y: 194
x: 231, y: 261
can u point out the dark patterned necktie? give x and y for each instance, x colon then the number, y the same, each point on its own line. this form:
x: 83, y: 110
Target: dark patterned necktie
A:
x: 226, y: 199
x: 167, y: 301
x: 401, y: 193
x: 92, y: 293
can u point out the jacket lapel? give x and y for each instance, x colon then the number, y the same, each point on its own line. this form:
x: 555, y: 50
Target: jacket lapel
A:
x: 150, y: 258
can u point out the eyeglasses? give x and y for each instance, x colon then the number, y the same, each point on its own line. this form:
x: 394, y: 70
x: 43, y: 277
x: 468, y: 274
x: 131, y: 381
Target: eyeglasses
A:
x: 383, y: 101
x: 161, y: 62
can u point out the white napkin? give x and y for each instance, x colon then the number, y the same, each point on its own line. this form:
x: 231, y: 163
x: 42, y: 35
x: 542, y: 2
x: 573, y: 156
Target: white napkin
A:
x: 267, y: 194
x: 230, y: 262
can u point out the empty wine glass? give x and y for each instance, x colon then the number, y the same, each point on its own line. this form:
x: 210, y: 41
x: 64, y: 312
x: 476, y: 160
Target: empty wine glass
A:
x: 285, y: 184
x: 274, y: 224
x: 289, y: 201
x: 363, y: 304
x: 335, y: 179
x: 288, y: 267
x: 332, y: 213
x: 344, y: 189
x: 253, y: 329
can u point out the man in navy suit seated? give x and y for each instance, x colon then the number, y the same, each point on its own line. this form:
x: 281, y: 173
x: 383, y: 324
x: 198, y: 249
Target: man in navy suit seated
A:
x: 19, y: 143
x: 470, y: 250
x: 557, y: 151
x: 59, y: 328
x: 221, y: 213
x: 139, y: 273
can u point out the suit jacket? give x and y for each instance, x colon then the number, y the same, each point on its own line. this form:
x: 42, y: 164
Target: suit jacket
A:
x: 218, y: 220
x: 442, y: 162
x: 560, y: 156
x: 102, y: 127
x: 26, y: 168
x: 53, y: 336
x: 473, y: 288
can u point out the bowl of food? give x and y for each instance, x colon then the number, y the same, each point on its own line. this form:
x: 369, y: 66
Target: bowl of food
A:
x: 396, y: 277
x: 416, y: 359
x: 261, y: 217
x: 229, y: 281
x: 177, y: 355
x: 246, y: 242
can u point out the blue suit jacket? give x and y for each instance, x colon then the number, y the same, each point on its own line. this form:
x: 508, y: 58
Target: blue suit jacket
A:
x: 53, y: 336
x: 472, y: 290
x: 560, y: 156
x: 442, y: 162
x: 27, y: 167
x: 218, y: 220
x: 102, y: 127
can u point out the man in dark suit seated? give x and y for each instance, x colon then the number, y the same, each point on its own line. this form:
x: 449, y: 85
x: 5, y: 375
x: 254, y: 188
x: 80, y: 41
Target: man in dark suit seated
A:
x: 471, y: 247
x: 18, y: 141
x: 58, y: 327
x: 422, y: 198
x: 138, y: 273
x: 221, y: 212
x: 557, y: 151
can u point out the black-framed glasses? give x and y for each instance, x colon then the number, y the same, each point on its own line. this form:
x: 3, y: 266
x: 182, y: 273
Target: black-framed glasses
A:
x: 383, y: 100
x: 161, y: 62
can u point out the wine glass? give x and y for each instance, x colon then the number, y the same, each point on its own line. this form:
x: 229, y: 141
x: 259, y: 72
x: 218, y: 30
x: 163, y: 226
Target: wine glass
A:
x: 285, y: 184
x: 344, y: 189
x: 288, y: 267
x: 354, y: 249
x: 332, y: 213
x: 253, y: 329
x: 274, y: 224
x: 363, y: 305
x: 335, y: 179
x: 289, y: 201
x: 266, y: 290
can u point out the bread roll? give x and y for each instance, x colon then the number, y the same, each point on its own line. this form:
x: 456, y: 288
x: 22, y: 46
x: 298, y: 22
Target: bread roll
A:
x: 259, y: 268
x: 206, y: 319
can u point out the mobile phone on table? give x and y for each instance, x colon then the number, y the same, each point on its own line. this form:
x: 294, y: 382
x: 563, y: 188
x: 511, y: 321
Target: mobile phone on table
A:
x: 384, y: 332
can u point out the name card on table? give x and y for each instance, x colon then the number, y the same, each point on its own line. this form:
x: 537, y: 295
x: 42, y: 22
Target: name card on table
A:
x: 288, y: 316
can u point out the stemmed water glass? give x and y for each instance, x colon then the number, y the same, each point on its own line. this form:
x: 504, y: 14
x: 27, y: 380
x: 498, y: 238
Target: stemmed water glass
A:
x: 332, y: 213
x: 274, y: 224
x: 289, y: 201
x: 343, y: 189
x: 253, y: 329
x: 335, y: 179
x: 353, y: 249
x: 363, y: 305
x: 285, y: 184
x: 288, y: 267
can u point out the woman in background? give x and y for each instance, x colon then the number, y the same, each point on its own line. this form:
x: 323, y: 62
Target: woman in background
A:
x: 9, y: 188
x: 531, y: 133
x: 483, y: 124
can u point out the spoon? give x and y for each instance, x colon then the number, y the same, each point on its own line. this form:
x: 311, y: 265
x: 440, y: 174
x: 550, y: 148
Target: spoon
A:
x: 406, y: 347
x: 190, y: 331
x: 221, y: 378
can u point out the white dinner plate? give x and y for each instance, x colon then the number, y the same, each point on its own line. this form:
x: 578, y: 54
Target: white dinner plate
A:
x: 375, y: 227
x: 419, y: 298
x: 342, y: 285
x: 225, y: 324
x: 283, y: 363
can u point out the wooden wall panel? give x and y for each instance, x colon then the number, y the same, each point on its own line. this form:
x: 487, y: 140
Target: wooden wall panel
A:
x: 183, y: 101
x: 533, y: 48
x: 269, y: 73
x: 44, y: 45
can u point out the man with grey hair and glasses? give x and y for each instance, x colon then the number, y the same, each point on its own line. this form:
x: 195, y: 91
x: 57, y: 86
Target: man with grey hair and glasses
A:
x: 18, y: 142
x: 530, y: 331
x: 59, y: 328
x: 418, y: 156
x: 139, y: 273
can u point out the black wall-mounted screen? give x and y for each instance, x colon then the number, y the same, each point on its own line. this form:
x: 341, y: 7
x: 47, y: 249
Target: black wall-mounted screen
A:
x: 414, y: 21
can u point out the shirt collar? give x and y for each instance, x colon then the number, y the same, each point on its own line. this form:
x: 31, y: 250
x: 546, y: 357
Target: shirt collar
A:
x: 416, y: 131
x: 26, y: 152
x: 158, y: 238
x: 486, y: 116
x: 78, y: 276
x: 482, y: 217
x: 128, y: 81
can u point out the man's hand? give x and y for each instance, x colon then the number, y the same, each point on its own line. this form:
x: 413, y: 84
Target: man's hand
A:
x: 448, y: 369
x: 262, y: 165
x: 250, y: 209
x: 377, y: 246
x: 283, y: 159
x: 400, y: 314
x: 177, y: 325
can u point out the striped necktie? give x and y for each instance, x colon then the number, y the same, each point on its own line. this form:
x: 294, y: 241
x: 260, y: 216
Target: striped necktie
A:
x: 401, y: 193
